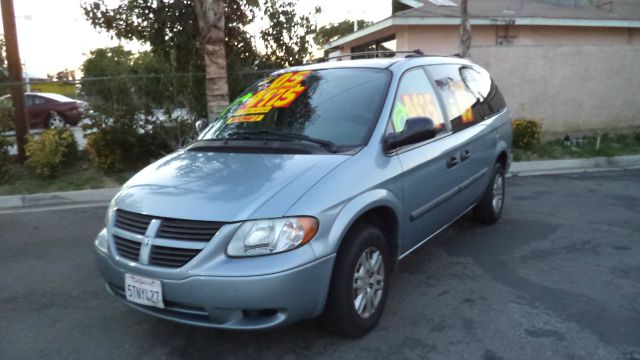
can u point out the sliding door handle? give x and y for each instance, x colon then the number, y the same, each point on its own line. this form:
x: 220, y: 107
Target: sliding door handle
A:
x: 452, y: 162
x: 465, y: 155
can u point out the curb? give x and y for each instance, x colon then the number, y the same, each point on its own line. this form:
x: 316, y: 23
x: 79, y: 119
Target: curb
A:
x: 97, y: 197
x: 100, y: 197
x: 551, y: 167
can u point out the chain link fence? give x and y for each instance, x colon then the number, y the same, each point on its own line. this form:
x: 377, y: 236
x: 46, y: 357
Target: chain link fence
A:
x: 158, y: 110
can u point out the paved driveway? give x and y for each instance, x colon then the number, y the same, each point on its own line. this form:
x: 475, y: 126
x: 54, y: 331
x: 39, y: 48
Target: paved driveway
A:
x: 557, y: 278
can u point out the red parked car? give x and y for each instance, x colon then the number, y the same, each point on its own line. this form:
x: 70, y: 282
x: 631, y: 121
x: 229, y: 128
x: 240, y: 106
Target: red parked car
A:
x: 48, y: 110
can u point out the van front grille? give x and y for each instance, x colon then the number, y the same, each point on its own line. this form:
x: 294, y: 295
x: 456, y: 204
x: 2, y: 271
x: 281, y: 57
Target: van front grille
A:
x: 171, y: 257
x: 132, y: 222
x: 174, y: 244
x: 188, y: 229
x: 127, y: 248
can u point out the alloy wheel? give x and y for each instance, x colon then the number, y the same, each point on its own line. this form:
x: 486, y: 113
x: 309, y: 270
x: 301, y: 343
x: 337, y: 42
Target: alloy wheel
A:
x: 368, y: 282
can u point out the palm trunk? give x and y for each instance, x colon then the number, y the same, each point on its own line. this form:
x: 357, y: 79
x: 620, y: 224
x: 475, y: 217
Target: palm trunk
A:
x: 210, y: 14
x: 465, y: 30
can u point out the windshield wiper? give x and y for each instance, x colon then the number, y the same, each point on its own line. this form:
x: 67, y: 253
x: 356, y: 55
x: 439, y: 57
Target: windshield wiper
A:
x: 275, y: 135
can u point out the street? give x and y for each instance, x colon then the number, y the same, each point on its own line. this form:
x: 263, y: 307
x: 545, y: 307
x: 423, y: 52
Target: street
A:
x: 557, y: 278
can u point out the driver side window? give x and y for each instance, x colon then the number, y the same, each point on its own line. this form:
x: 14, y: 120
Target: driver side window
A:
x: 415, y: 98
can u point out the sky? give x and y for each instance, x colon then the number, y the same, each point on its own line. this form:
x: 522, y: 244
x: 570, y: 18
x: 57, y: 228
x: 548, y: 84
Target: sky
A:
x: 54, y: 34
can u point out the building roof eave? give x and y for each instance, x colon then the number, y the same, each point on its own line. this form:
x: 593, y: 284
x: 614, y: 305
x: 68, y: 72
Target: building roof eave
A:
x: 530, y: 21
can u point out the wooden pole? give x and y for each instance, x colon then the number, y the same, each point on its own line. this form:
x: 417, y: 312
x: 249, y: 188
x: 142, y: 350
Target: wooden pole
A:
x: 15, y: 77
x: 465, y: 30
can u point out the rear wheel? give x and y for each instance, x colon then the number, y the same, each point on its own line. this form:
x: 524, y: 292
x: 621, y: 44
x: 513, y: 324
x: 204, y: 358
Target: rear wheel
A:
x: 55, y: 121
x: 359, y: 283
x: 489, y: 209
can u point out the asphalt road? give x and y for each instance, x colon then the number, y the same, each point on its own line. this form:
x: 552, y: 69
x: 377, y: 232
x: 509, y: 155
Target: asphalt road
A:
x: 557, y: 278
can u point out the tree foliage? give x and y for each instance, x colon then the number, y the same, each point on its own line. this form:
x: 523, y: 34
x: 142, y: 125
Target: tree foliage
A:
x: 287, y: 38
x: 170, y: 27
x: 63, y: 75
x: 3, y: 57
x: 333, y: 31
x: 4, y: 75
x: 114, y: 63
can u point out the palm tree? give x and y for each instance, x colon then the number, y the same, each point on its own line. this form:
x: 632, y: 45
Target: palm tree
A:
x: 210, y: 14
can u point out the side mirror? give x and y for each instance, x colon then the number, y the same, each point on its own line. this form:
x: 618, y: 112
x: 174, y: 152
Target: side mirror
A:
x: 416, y: 130
x: 201, y: 125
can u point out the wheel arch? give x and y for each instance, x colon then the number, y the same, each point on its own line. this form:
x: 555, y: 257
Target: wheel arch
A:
x: 379, y: 208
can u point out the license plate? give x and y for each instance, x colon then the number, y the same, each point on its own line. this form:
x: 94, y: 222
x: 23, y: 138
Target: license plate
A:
x: 142, y: 290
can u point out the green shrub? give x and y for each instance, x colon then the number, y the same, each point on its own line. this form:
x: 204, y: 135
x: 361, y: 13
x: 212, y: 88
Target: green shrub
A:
x: 6, y: 124
x: 526, y: 133
x: 5, y: 159
x: 47, y: 153
x: 127, y: 140
x: 119, y: 142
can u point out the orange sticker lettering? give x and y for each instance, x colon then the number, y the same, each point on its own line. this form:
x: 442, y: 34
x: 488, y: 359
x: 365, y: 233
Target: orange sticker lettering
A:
x: 245, y: 118
x: 280, y: 94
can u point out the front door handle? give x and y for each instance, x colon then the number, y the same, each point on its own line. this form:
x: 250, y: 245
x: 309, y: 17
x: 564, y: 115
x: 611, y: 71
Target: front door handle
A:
x: 465, y: 155
x: 452, y: 162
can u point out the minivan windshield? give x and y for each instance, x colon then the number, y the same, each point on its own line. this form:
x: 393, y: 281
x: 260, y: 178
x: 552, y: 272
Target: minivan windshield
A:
x: 333, y: 108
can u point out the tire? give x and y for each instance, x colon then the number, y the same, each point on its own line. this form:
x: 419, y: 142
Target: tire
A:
x: 363, y: 245
x: 489, y: 209
x: 55, y: 121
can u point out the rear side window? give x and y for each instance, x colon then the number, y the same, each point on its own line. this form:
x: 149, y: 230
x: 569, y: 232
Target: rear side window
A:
x: 468, y: 93
x: 485, y: 90
x: 415, y: 98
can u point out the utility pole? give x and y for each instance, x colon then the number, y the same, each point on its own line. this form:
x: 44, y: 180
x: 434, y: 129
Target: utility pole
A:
x: 465, y: 30
x: 15, y: 77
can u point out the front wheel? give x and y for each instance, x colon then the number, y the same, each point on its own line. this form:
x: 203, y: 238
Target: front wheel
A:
x: 489, y: 209
x: 55, y: 121
x: 359, y: 284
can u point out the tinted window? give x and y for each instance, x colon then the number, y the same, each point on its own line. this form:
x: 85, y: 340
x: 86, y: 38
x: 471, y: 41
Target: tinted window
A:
x: 469, y: 94
x: 339, y: 105
x: 37, y: 100
x: 457, y: 97
x: 415, y: 98
x: 29, y: 100
x: 485, y: 89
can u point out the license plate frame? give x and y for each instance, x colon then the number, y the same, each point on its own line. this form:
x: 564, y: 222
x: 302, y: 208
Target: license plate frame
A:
x: 143, y: 290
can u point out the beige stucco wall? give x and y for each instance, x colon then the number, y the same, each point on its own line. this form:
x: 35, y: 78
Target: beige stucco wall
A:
x: 443, y: 40
x: 572, y: 89
x: 574, y: 79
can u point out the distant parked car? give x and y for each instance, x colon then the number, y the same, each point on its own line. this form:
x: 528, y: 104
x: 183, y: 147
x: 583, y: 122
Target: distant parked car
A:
x: 48, y: 110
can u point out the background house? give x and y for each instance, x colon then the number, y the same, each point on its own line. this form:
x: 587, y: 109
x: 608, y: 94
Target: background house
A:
x: 572, y: 64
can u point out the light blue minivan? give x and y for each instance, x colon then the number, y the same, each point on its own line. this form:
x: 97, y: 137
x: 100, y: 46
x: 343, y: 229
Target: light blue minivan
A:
x: 298, y: 201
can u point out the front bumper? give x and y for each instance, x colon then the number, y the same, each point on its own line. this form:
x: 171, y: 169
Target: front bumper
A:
x: 234, y: 302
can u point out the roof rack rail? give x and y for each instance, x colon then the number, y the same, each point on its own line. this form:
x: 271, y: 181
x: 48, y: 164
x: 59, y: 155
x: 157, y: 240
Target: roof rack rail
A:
x: 412, y: 53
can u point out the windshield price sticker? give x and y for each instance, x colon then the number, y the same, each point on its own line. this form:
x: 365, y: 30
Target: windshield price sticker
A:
x: 279, y: 94
x: 245, y: 118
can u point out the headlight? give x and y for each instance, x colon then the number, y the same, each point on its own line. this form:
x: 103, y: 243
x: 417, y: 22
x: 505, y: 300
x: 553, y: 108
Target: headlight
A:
x: 102, y: 241
x: 263, y: 237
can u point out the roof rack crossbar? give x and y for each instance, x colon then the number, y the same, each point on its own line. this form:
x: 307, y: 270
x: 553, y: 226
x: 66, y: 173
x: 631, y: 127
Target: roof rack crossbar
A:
x: 416, y: 52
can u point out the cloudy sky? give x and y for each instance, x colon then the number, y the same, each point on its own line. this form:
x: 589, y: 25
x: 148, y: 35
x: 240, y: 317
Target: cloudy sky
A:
x: 54, y: 35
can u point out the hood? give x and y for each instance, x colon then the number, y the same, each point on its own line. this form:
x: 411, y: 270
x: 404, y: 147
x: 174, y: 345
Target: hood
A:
x: 224, y: 187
